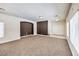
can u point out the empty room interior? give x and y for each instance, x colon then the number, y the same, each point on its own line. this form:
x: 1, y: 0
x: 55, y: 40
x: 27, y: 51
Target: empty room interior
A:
x: 39, y: 29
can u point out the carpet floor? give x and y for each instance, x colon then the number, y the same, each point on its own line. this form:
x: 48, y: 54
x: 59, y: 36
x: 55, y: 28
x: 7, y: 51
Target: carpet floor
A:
x: 37, y: 45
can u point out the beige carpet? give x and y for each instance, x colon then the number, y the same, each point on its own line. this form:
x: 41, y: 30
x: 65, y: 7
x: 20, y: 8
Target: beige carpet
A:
x: 36, y: 46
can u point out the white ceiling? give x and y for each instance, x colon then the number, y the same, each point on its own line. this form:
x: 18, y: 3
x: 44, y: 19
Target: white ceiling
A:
x: 32, y: 11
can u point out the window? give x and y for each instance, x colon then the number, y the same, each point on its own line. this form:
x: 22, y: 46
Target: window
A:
x: 74, y: 30
x: 1, y: 29
x: 67, y: 30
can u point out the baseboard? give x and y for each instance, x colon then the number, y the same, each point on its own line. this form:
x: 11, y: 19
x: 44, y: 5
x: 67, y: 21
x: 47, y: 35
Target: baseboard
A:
x: 27, y: 36
x: 5, y: 41
x: 57, y: 36
x: 72, y: 48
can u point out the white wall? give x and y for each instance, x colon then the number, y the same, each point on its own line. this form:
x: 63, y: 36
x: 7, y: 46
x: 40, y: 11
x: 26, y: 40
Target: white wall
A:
x: 35, y: 28
x: 49, y: 27
x: 74, y: 48
x: 73, y: 9
x: 12, y: 27
x: 57, y: 27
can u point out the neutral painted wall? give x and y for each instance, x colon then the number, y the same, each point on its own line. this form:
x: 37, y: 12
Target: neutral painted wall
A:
x: 74, y: 8
x: 74, y: 48
x: 12, y: 27
x: 35, y: 28
x: 57, y: 27
x: 49, y: 27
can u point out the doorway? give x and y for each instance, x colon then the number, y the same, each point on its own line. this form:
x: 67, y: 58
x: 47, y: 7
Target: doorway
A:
x: 26, y: 28
x: 42, y: 27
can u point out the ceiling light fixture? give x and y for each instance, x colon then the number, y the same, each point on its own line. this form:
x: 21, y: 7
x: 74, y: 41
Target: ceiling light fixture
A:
x: 57, y: 18
x: 2, y: 9
x: 41, y: 17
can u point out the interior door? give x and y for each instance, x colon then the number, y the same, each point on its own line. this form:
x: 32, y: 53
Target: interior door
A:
x: 26, y: 28
x: 42, y: 27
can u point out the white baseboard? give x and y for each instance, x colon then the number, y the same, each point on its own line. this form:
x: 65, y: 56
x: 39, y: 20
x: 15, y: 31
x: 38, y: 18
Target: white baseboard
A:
x: 5, y: 41
x: 72, y: 48
x: 9, y: 40
x: 58, y: 36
